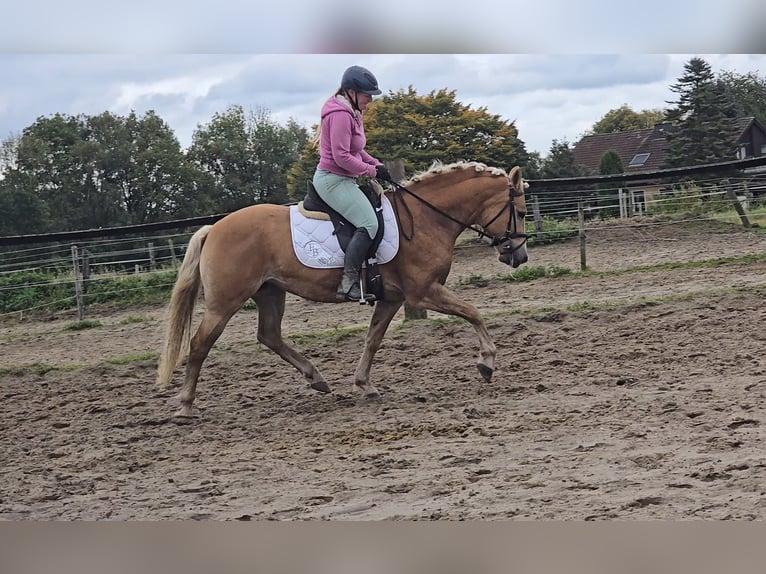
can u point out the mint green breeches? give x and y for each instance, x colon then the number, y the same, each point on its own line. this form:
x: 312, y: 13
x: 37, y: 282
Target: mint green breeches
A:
x: 344, y: 196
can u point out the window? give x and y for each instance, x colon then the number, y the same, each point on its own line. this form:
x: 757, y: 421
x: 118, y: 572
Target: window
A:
x: 763, y: 149
x: 639, y: 159
x: 742, y: 151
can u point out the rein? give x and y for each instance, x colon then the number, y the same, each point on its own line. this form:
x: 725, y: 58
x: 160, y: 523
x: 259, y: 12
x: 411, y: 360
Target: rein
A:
x: 510, y: 230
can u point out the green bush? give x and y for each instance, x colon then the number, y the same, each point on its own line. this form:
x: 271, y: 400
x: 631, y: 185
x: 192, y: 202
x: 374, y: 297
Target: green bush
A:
x: 46, y: 292
x: 82, y: 325
x: 31, y: 289
x: 130, y: 289
x: 530, y: 273
x: 554, y: 230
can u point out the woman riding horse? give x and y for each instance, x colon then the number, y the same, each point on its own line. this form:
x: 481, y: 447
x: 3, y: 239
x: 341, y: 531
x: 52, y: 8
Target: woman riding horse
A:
x: 249, y: 255
x: 342, y: 159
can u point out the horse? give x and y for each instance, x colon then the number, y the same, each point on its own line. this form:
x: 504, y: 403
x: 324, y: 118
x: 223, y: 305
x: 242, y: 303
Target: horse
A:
x: 248, y: 254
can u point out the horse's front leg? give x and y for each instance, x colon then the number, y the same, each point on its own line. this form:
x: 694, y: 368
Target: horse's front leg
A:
x: 381, y: 319
x: 440, y: 299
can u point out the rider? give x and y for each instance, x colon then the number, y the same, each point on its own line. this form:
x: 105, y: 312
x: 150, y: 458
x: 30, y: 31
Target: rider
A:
x: 342, y: 159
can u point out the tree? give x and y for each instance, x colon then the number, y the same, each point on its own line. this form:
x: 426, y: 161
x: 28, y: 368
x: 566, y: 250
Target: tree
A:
x: 50, y: 166
x: 420, y: 129
x: 745, y: 92
x: 560, y: 162
x: 303, y: 169
x: 610, y: 163
x: 703, y: 128
x: 534, y: 166
x: 275, y: 149
x: 624, y: 119
x: 102, y: 171
x: 125, y: 167
x: 247, y: 156
x: 8, y: 153
x: 21, y: 211
x: 146, y: 168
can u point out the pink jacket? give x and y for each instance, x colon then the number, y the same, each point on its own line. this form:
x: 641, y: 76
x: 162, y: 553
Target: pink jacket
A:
x: 342, y: 141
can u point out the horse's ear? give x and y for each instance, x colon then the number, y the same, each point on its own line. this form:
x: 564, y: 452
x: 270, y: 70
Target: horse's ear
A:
x: 515, y: 177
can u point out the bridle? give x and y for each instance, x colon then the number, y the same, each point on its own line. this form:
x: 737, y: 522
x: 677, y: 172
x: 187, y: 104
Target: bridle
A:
x: 504, y: 241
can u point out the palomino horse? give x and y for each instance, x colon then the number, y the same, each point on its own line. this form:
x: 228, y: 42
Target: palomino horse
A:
x: 249, y: 255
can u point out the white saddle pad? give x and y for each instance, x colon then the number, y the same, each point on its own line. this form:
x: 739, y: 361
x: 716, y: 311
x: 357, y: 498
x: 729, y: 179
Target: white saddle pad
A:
x: 316, y: 246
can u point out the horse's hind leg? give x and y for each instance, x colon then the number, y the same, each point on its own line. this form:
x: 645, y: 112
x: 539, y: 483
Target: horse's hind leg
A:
x: 210, y: 328
x: 270, y: 301
x: 381, y: 319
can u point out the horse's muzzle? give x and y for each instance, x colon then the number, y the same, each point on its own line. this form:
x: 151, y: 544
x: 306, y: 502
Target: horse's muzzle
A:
x: 515, y: 257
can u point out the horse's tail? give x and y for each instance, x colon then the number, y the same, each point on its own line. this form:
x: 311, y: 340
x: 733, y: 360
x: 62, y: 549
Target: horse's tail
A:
x: 178, y: 316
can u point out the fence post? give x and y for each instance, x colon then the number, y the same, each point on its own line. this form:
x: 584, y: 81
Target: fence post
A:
x: 85, y: 269
x: 396, y: 169
x: 77, y: 284
x: 748, y: 193
x: 623, y: 210
x: 173, y: 257
x: 732, y: 196
x: 581, y: 221
x: 538, y: 218
x: 152, y: 260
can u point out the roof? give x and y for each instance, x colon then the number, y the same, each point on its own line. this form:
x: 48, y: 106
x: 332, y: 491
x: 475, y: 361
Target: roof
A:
x: 743, y: 123
x: 588, y: 150
x: 652, y: 141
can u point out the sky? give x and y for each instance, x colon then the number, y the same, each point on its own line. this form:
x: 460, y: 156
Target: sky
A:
x: 552, y: 69
x: 547, y: 96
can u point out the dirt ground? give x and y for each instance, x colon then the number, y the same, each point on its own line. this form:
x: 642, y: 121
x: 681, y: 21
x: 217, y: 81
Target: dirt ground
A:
x: 637, y: 395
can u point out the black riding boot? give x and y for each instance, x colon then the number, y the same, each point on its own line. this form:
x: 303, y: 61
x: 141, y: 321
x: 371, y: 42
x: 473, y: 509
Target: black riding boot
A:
x: 355, y: 252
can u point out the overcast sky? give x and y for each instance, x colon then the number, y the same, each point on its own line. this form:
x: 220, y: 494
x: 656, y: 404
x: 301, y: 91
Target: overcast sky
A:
x: 555, y: 68
x: 548, y: 96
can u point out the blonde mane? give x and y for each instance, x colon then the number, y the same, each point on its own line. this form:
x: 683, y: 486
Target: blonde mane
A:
x: 438, y: 167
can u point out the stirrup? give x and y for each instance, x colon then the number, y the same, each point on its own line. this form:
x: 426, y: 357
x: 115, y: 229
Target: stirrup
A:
x: 366, y: 298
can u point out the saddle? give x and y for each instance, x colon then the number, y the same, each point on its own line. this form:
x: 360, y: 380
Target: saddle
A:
x: 315, y: 207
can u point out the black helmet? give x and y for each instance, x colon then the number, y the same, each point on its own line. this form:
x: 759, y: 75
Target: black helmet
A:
x: 360, y: 79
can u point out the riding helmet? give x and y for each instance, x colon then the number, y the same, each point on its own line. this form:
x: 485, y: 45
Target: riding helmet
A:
x: 361, y: 80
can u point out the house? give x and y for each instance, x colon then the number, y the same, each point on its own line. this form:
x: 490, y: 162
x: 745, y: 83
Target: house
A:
x: 645, y: 150
x: 639, y: 150
x: 752, y: 140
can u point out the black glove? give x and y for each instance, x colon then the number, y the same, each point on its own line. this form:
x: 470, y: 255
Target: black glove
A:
x: 382, y: 173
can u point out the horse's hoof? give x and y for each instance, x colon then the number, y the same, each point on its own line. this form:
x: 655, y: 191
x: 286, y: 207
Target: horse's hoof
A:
x: 182, y: 420
x: 372, y: 395
x: 321, y: 386
x: 485, y: 372
x: 184, y: 413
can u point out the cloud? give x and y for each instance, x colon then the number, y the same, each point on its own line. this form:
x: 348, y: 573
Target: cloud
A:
x: 187, y: 89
